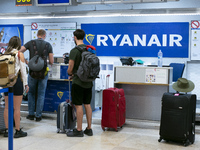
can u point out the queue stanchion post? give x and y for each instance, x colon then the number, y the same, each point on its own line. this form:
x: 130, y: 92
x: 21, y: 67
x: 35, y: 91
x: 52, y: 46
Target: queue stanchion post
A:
x: 10, y: 115
x: 10, y: 118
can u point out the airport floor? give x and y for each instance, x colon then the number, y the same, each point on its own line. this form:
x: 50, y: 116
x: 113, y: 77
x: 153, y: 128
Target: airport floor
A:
x: 135, y: 135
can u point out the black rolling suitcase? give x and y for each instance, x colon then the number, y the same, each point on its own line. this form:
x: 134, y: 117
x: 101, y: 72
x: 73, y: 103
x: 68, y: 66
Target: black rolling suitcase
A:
x: 178, y: 118
x: 66, y: 116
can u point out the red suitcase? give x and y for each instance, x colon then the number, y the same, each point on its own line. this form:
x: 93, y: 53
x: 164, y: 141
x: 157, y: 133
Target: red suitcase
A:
x: 113, y: 108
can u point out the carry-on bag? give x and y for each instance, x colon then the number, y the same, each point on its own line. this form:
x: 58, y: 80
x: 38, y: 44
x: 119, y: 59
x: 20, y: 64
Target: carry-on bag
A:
x: 178, y: 118
x: 8, y: 77
x: 66, y: 116
x: 113, y: 108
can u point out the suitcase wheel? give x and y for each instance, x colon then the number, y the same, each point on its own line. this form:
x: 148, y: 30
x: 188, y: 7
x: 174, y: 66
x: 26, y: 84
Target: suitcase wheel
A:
x: 103, y: 128
x: 160, y: 139
x: 58, y: 130
x: 186, y: 143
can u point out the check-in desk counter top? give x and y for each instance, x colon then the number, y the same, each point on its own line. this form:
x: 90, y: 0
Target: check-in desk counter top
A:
x: 143, y: 88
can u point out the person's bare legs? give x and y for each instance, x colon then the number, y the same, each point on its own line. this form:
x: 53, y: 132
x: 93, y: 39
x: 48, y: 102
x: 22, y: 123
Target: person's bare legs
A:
x: 6, y: 111
x: 17, y: 100
x: 17, y: 104
x: 88, y: 110
x: 79, y: 116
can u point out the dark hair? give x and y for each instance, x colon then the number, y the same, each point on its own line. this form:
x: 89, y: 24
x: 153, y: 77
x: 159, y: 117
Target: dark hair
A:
x: 14, y: 43
x: 41, y: 32
x: 79, y: 33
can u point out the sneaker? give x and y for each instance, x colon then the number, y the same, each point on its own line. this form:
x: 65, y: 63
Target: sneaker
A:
x: 75, y: 133
x: 38, y: 118
x: 30, y: 117
x: 19, y: 133
x: 88, y: 132
x: 6, y: 133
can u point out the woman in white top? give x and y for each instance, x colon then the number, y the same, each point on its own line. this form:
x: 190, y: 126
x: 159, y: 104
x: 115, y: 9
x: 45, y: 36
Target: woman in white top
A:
x: 21, y: 84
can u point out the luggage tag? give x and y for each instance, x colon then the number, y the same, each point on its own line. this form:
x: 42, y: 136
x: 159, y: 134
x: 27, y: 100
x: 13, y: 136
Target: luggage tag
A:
x: 176, y: 94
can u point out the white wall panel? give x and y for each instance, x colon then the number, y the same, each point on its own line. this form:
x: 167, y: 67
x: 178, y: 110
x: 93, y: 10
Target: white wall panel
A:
x: 193, y: 74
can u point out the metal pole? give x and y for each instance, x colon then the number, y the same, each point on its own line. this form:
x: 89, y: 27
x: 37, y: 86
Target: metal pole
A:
x: 4, y: 90
x: 10, y: 118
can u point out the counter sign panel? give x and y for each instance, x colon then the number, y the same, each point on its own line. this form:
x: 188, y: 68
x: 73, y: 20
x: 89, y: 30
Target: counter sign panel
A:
x: 23, y: 2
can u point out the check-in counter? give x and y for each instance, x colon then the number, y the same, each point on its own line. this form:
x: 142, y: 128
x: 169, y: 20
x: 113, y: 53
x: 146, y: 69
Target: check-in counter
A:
x: 58, y: 85
x: 143, y: 88
x: 58, y: 71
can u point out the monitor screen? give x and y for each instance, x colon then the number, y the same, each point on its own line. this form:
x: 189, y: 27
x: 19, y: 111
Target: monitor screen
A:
x: 52, y: 2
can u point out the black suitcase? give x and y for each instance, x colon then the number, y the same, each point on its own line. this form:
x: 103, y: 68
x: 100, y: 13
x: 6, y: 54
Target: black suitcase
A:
x: 66, y: 118
x: 178, y: 118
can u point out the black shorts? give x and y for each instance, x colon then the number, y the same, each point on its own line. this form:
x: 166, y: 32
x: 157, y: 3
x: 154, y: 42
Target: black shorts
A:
x: 81, y: 95
x: 17, y: 88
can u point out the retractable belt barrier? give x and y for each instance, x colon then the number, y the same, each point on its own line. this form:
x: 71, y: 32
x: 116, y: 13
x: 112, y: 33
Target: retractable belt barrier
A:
x: 10, y: 115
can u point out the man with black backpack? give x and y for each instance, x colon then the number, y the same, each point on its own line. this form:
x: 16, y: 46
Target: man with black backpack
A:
x: 37, y: 79
x: 81, y: 90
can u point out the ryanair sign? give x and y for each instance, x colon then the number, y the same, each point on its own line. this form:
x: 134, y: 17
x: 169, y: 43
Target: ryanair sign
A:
x: 139, y: 39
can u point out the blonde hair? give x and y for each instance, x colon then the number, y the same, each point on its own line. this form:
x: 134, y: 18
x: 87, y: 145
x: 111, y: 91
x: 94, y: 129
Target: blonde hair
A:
x: 41, y: 32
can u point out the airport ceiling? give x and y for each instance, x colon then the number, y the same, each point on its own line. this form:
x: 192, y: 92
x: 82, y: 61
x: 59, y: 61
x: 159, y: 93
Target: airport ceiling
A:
x: 120, y: 1
x: 103, y: 10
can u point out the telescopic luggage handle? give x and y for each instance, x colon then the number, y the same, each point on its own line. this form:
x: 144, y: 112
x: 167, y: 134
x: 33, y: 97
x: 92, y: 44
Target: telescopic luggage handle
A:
x: 69, y: 91
x: 69, y: 100
x: 107, y: 81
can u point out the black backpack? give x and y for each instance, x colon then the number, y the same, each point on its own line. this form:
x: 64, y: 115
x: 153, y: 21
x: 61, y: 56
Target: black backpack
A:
x: 39, y: 74
x: 89, y: 67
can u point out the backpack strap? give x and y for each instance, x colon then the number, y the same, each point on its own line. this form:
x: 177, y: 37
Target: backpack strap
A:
x: 34, y: 47
x: 36, y: 51
x: 44, y: 51
x: 14, y: 52
x: 81, y: 48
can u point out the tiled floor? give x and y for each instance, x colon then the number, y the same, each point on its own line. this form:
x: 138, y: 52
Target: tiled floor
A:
x: 135, y: 135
